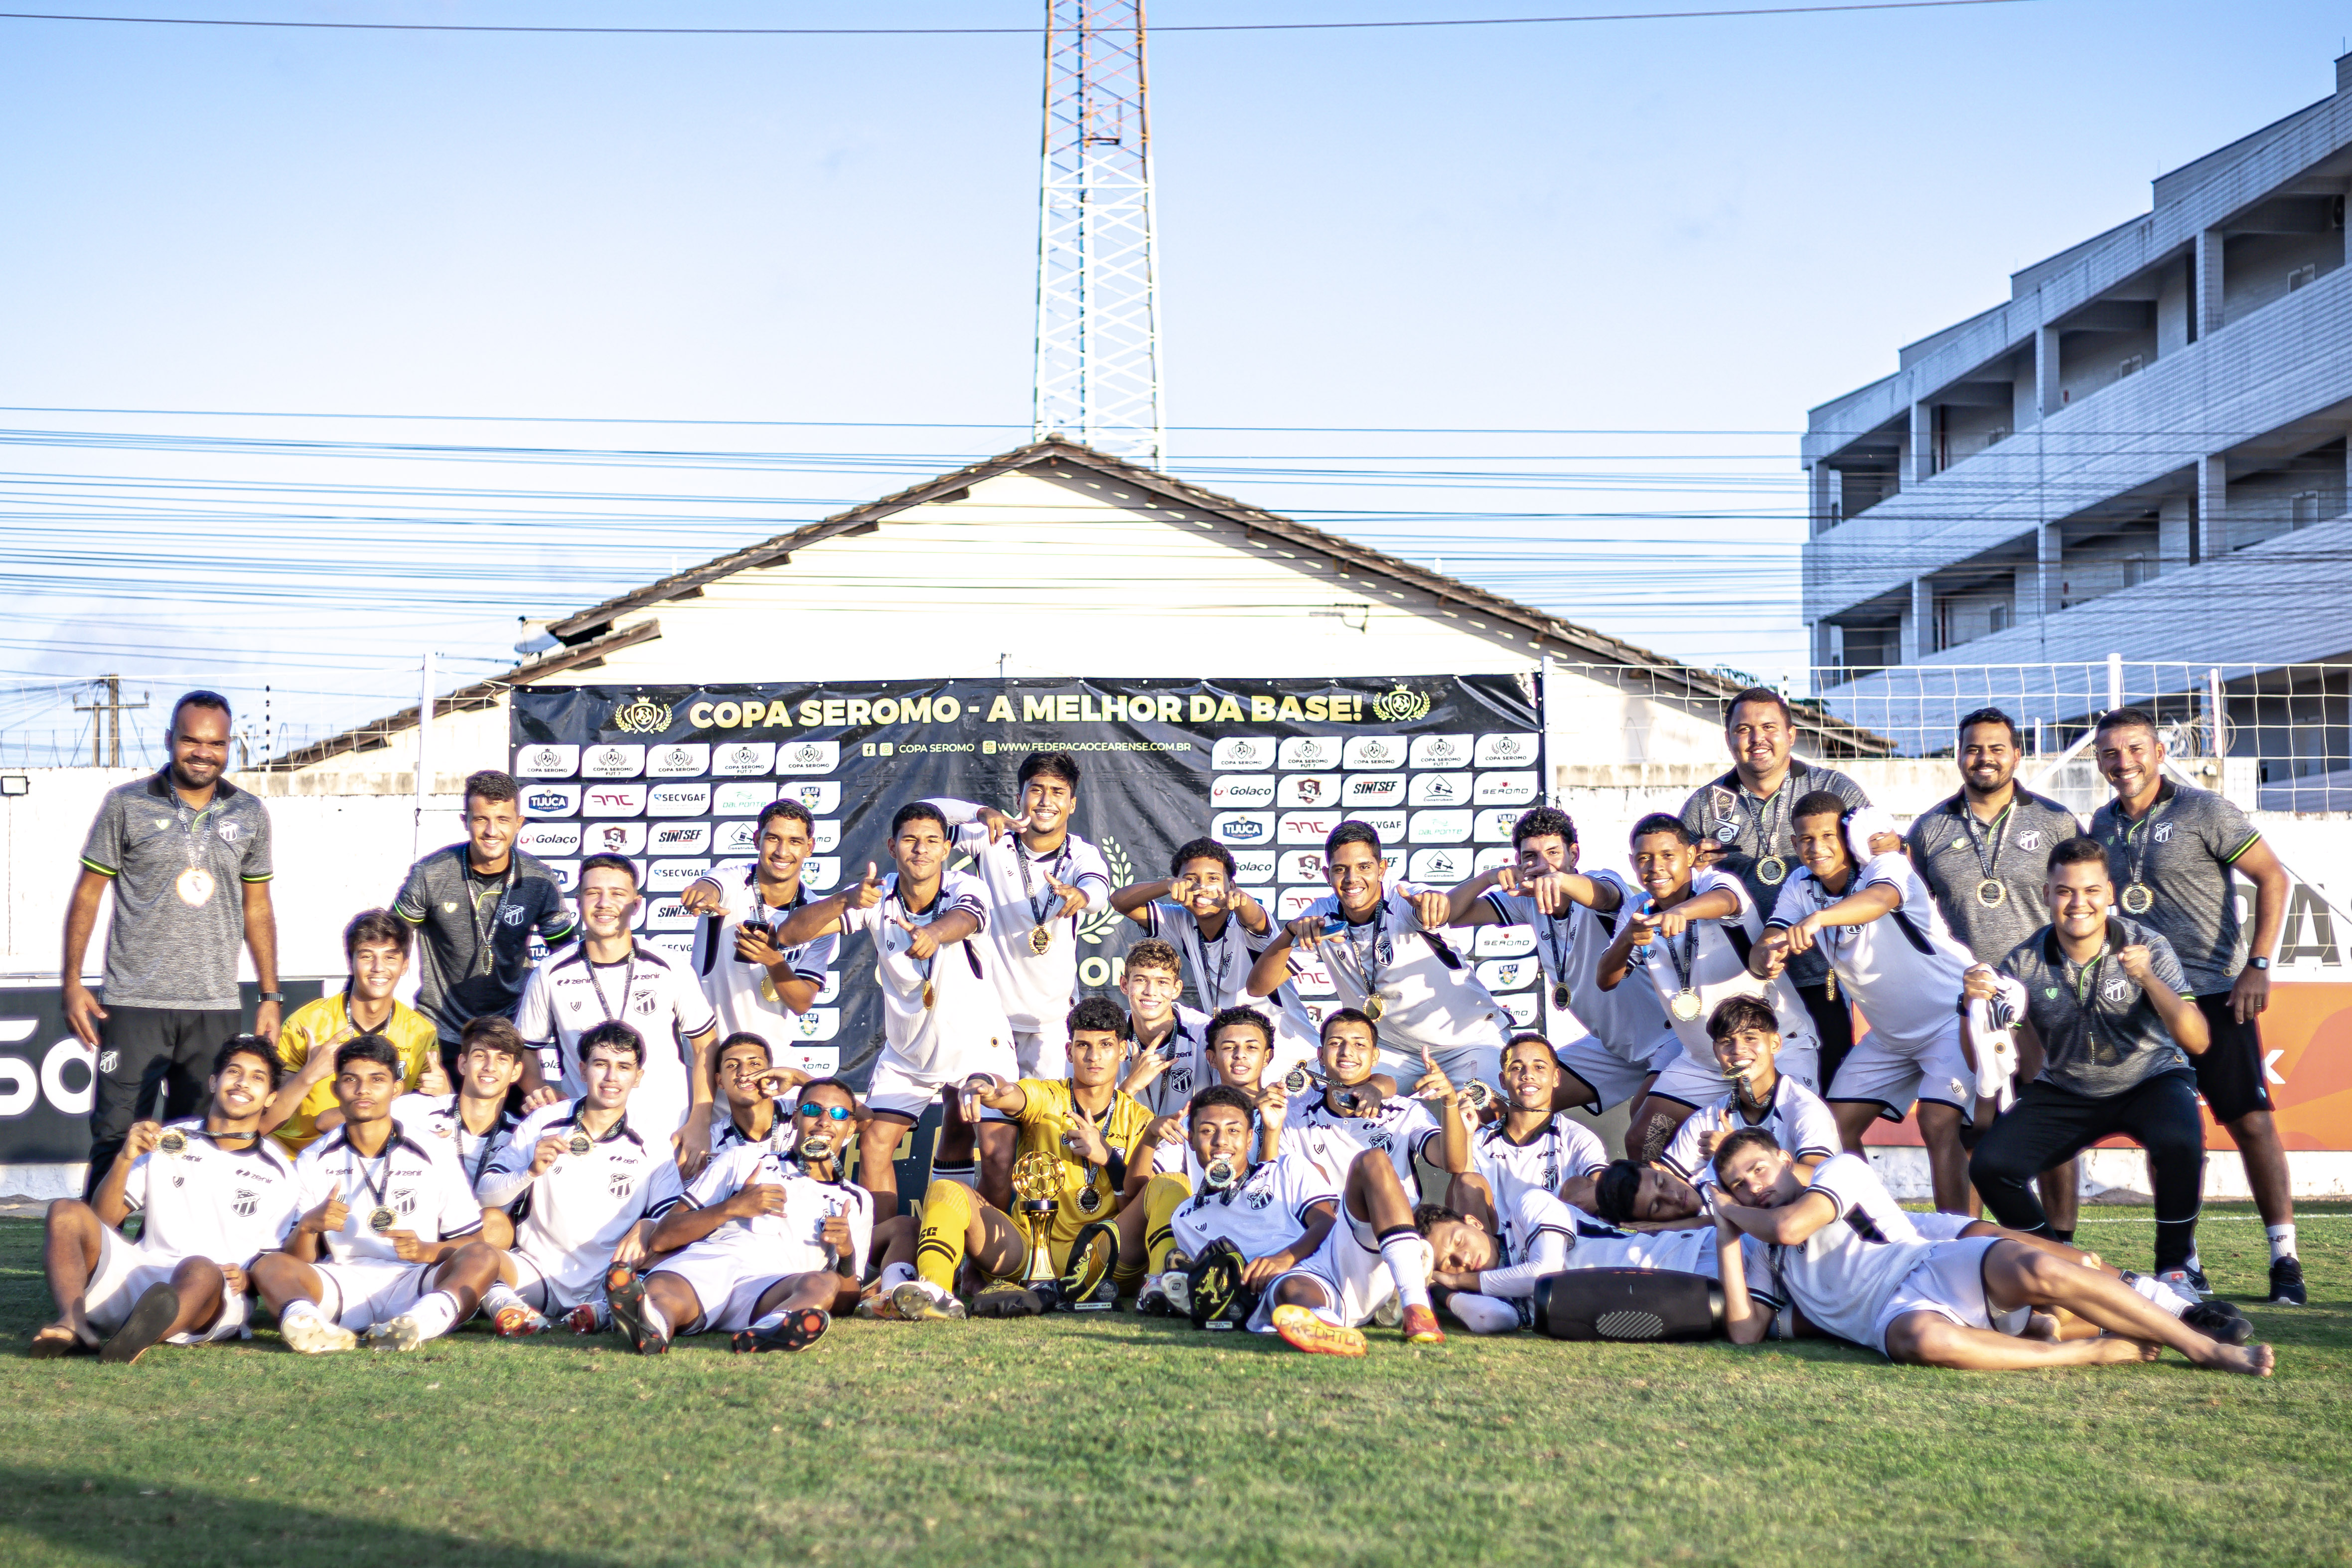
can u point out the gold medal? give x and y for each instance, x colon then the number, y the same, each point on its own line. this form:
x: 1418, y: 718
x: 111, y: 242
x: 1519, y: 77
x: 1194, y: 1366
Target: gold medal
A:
x: 1771, y: 871
x: 1297, y: 1082
x: 1375, y: 1005
x: 1685, y: 1006
x: 581, y: 1142
x: 195, y: 887
x: 2138, y: 898
x: 382, y: 1220
x: 1041, y: 940
x: 1991, y: 894
x: 1829, y: 986
x: 1220, y: 1173
x: 1089, y: 1199
x: 928, y: 995
x: 172, y: 1140
x: 1559, y: 996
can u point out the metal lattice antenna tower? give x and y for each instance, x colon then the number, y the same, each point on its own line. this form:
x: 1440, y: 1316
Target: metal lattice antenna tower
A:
x: 1098, y: 270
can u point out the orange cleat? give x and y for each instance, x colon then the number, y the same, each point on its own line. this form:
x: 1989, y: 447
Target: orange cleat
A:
x: 1421, y: 1326
x: 1302, y: 1330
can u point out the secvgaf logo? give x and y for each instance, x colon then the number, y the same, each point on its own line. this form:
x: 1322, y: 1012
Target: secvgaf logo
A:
x: 674, y: 875
x: 546, y: 761
x: 1241, y: 790
x: 550, y: 800
x: 677, y: 800
x: 1242, y: 754
x: 611, y: 761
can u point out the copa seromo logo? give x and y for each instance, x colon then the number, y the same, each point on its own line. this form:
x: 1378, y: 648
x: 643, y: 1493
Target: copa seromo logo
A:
x: 643, y: 717
x: 1400, y: 705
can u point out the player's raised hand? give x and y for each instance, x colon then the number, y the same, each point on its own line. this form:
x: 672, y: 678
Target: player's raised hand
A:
x: 1306, y: 931
x: 632, y: 1248
x: 1083, y: 1139
x: 1433, y: 1084
x: 754, y: 945
x: 1163, y: 1130
x: 542, y: 1158
x: 867, y: 893
x: 1181, y: 887
x: 2135, y: 960
x: 1805, y: 933
x: 834, y: 1233
x: 1148, y: 1066
x: 756, y: 1198
x: 920, y: 942
x: 999, y: 823
x: 434, y: 1078
x: 1272, y: 1101
x: 1431, y: 909
x: 546, y: 1094
x: 235, y: 1281
x: 1550, y: 893
x: 330, y: 1216
x: 142, y: 1138
x: 1708, y: 1139
x: 778, y: 1081
x: 1670, y: 922
x: 703, y: 896
x: 1073, y: 899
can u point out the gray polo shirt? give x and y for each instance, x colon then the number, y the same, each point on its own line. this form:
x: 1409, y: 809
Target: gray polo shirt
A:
x: 1750, y: 829
x: 2101, y: 1034
x: 1951, y: 850
x: 179, y: 878
x: 474, y: 933
x: 2182, y: 850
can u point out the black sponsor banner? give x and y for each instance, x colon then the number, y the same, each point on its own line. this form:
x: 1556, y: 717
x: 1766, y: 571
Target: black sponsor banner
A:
x: 673, y: 776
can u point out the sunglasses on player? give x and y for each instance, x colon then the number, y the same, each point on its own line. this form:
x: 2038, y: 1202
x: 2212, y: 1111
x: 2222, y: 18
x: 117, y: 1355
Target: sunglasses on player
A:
x: 836, y: 1112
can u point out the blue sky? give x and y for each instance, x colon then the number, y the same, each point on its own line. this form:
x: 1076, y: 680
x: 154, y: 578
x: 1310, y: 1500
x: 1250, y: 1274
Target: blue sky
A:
x: 1691, y: 229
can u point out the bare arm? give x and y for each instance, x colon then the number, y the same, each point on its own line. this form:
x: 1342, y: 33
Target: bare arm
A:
x: 82, y: 1012
x: 261, y: 941
x: 2250, y: 994
x: 811, y: 921
x: 108, y: 1202
x: 1466, y: 902
x: 1260, y: 1271
x: 685, y: 1225
x: 1742, y: 1324
x: 2182, y: 1017
x: 1786, y: 1226
x: 1132, y: 899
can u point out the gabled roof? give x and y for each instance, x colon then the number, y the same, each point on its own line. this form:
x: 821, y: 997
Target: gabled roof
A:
x: 592, y: 631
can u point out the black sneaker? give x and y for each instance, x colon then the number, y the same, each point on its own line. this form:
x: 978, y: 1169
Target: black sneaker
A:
x: 2219, y: 1321
x: 2286, y: 1283
x: 625, y: 1290
x: 799, y: 1330
x: 159, y: 1305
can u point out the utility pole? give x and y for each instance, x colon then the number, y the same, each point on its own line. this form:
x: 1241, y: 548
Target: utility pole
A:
x: 1098, y: 371
x: 106, y: 734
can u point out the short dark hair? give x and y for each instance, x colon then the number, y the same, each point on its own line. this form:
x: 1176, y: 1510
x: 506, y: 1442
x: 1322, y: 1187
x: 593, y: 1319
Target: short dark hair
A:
x: 740, y: 1037
x: 2126, y: 718
x: 239, y: 1045
x: 1617, y: 1191
x: 918, y: 811
x: 1662, y: 822
x: 1744, y: 1138
x: 1529, y: 1037
x: 1239, y: 1018
x: 1348, y: 1015
x: 1351, y: 832
x: 1056, y: 764
x: 828, y: 1083
x: 1746, y: 694
x: 1818, y: 803
x: 490, y: 784
x: 1428, y: 1216
x: 1201, y: 850
x: 1735, y: 1013
x: 1151, y: 953
x: 199, y: 698
x: 615, y: 1036
x: 1988, y: 716
x: 1539, y: 821
x: 1097, y: 1015
x: 606, y: 861
x: 1218, y: 1094
x: 784, y: 806
x: 2079, y: 850
x: 369, y: 1047
x: 496, y: 1032
x: 376, y: 926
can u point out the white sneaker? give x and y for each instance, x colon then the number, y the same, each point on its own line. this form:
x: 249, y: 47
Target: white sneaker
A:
x: 312, y: 1335
x: 2182, y: 1282
x: 919, y: 1300
x: 1390, y: 1312
x: 402, y: 1332
x: 1177, y: 1286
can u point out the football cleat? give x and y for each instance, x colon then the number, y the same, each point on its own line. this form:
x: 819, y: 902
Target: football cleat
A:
x: 517, y: 1320
x: 402, y: 1332
x: 2286, y: 1283
x: 158, y: 1307
x: 1152, y: 1300
x: 800, y: 1330
x: 1421, y: 1326
x: 1004, y: 1299
x: 587, y: 1318
x: 312, y: 1334
x: 2219, y: 1319
x: 1302, y: 1330
x: 920, y: 1301
x: 1390, y: 1312
x: 2183, y: 1282
x: 878, y: 1306
x: 635, y: 1316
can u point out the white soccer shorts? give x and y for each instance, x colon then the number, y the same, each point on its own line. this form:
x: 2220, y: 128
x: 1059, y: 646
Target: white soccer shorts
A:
x: 361, y: 1294
x: 546, y: 1294
x: 1894, y: 1077
x: 1948, y: 1282
x: 1348, y: 1268
x: 125, y: 1273
x: 905, y: 1091
x: 727, y: 1278
x: 1613, y: 1078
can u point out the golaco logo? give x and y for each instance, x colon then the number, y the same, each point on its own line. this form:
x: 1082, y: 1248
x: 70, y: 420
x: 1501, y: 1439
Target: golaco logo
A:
x: 643, y: 717
x: 1400, y: 705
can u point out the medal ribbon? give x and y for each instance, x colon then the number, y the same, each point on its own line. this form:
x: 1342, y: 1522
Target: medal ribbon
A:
x: 375, y: 1189
x: 1373, y: 954
x: 923, y: 966
x: 1997, y: 835
x: 628, y: 984
x: 1028, y: 891
x: 2138, y: 844
x: 1684, y: 960
x: 483, y: 951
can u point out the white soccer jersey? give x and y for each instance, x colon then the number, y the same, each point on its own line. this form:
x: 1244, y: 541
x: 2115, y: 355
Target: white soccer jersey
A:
x: 1843, y: 1273
x: 965, y: 1011
x: 1188, y: 1070
x: 1220, y: 967
x: 582, y: 1205
x: 743, y: 994
x: 436, y: 1116
x: 1904, y: 967
x: 1262, y: 1213
x: 1532, y: 1215
x: 785, y: 1242
x: 228, y: 1204
x: 1707, y: 960
x: 1036, y: 987
x: 1629, y: 1020
x: 417, y: 1178
x: 1564, y: 1150
x: 1312, y: 1131
x: 651, y: 992
x: 1430, y: 997
x: 1798, y: 1120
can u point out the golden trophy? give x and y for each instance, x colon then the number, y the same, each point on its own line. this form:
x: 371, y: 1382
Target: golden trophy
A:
x: 1037, y: 1191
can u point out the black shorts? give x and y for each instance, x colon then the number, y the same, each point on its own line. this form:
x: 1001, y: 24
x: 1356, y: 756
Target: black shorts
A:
x: 2230, y: 1073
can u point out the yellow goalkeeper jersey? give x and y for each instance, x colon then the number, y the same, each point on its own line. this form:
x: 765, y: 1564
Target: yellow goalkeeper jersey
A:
x: 1087, y: 1192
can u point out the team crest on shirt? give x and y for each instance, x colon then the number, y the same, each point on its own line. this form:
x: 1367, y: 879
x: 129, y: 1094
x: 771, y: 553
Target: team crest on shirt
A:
x: 2163, y: 834
x: 108, y: 1060
x: 245, y: 1203
x: 448, y: 906
x: 515, y: 915
x: 443, y: 1129
x: 1258, y: 1197
x: 647, y: 1003
x: 2030, y: 841
x: 618, y: 1183
x: 405, y: 1200
x: 2115, y: 990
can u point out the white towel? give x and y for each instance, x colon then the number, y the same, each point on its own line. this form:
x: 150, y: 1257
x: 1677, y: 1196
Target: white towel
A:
x: 1991, y: 1025
x: 1864, y: 823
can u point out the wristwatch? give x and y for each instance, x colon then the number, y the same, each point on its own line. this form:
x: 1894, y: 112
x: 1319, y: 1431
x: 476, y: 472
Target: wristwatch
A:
x: 2263, y: 964
x: 280, y: 997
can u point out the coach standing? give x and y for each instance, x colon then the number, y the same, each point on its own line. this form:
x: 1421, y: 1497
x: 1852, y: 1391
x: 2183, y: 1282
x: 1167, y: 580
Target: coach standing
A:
x: 2173, y: 850
x: 187, y: 854
x: 1745, y: 817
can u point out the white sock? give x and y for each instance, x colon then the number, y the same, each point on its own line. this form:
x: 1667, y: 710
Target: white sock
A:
x: 968, y: 1175
x: 1483, y: 1314
x: 894, y: 1275
x: 436, y: 1314
x: 2158, y: 1293
x: 1407, y: 1256
x: 2282, y: 1240
x: 774, y: 1320
x: 300, y: 1309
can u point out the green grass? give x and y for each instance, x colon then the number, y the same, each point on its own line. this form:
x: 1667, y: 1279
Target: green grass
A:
x: 1119, y: 1441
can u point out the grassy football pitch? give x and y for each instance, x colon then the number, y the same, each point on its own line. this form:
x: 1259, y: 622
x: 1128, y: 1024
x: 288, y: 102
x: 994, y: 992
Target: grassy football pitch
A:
x: 1115, y: 1441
